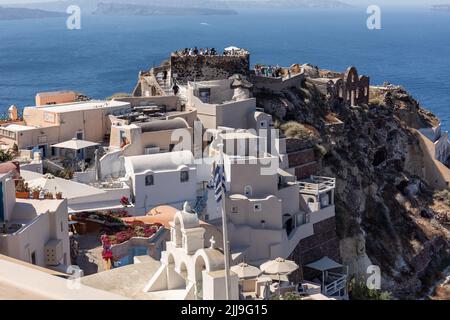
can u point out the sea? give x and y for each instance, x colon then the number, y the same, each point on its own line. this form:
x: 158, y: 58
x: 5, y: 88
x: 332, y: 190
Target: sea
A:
x: 411, y: 49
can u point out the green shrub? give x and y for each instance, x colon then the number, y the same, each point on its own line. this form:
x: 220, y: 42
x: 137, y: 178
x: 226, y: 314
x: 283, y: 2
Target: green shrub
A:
x: 293, y: 129
x: 358, y: 290
x: 6, y: 156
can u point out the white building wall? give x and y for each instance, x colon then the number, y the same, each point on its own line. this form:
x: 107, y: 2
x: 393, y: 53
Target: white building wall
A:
x: 166, y: 189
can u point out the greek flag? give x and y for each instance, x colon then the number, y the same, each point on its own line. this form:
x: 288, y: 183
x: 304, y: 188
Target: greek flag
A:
x: 219, y: 182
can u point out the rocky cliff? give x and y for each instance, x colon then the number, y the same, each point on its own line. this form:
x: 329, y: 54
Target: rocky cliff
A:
x: 386, y: 213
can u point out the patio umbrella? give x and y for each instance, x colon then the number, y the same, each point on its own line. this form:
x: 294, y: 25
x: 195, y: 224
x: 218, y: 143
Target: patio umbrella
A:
x: 279, y: 266
x: 246, y: 271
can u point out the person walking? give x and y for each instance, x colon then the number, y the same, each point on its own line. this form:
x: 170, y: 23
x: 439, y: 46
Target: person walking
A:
x: 165, y: 76
x: 175, y: 89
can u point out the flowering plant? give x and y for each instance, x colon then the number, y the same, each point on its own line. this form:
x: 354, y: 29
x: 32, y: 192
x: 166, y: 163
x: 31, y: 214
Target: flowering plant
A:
x: 107, y: 254
x: 124, y: 201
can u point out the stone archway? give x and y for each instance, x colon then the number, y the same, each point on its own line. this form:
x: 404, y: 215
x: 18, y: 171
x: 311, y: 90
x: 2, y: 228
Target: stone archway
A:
x: 200, y: 266
x: 184, y: 272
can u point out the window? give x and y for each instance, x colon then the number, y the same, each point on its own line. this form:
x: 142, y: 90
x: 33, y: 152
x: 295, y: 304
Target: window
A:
x: 248, y: 191
x: 149, y: 181
x: 263, y: 124
x: 204, y: 94
x: 62, y: 226
x: 234, y: 209
x: 184, y: 176
x: 80, y: 135
x: 257, y: 207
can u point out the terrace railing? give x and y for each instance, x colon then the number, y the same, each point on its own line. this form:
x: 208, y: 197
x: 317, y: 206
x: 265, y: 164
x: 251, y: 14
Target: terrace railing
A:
x: 317, y: 184
x: 339, y: 283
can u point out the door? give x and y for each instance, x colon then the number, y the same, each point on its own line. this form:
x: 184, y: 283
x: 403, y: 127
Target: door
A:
x: 33, y: 257
x: 43, y: 150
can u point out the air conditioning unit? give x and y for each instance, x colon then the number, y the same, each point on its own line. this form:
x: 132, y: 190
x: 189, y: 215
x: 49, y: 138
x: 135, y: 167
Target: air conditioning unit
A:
x: 53, y: 252
x: 152, y: 150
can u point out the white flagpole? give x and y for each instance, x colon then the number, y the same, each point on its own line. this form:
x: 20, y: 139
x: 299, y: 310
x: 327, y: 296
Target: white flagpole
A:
x: 226, y: 244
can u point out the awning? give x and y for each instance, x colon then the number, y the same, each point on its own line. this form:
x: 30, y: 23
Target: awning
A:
x: 69, y: 189
x: 324, y: 264
x: 75, y: 144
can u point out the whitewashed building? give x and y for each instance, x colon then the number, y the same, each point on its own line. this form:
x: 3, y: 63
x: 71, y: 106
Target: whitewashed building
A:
x: 35, y: 231
x: 165, y: 178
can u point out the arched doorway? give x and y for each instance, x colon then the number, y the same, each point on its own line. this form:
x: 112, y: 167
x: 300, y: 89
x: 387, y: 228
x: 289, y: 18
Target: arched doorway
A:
x: 289, y: 224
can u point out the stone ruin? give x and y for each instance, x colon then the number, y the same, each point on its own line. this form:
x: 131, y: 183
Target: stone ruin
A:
x: 352, y: 89
x: 186, y: 68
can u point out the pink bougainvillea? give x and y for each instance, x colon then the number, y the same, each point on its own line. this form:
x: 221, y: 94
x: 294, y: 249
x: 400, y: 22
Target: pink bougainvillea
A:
x: 124, y: 201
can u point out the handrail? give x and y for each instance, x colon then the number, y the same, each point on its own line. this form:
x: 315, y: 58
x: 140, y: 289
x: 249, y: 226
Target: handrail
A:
x: 317, y: 183
x: 335, y: 286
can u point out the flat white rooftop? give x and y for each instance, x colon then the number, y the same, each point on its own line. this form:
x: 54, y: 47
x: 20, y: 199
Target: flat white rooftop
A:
x: 18, y: 127
x: 80, y: 106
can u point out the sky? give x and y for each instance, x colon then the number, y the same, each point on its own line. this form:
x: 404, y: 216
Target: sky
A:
x: 353, y: 2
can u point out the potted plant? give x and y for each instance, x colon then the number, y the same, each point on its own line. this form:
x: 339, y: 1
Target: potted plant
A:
x: 36, y: 191
x: 48, y: 195
x: 22, y: 190
x: 59, y: 195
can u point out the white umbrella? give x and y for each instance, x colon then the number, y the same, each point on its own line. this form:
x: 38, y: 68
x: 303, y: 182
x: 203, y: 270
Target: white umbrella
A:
x: 246, y: 271
x: 279, y: 266
x: 232, y: 48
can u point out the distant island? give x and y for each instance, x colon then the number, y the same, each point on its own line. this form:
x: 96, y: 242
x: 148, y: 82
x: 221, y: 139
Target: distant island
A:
x: 23, y: 13
x: 286, y: 4
x: 441, y: 7
x: 122, y: 9
x: 177, y: 7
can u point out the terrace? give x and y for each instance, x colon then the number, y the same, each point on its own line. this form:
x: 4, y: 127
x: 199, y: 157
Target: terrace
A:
x: 10, y: 228
x: 316, y: 185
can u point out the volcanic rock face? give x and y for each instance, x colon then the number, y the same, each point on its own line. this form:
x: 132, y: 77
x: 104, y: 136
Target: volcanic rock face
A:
x: 386, y: 214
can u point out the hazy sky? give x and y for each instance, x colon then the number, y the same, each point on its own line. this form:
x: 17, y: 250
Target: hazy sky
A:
x: 353, y: 2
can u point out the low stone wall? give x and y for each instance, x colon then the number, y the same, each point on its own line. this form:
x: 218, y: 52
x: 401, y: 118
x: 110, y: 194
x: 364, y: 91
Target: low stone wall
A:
x: 202, y: 68
x: 294, y: 144
x: 171, y: 102
x: 307, y: 170
x: 262, y: 83
x: 302, y: 157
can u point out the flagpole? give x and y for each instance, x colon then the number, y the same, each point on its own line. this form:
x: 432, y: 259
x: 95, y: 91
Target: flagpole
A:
x: 226, y: 243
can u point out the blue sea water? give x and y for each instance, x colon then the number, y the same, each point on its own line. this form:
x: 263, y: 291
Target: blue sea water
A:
x: 104, y: 57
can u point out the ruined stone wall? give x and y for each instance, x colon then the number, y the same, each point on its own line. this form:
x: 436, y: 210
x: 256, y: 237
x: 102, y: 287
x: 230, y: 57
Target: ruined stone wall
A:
x: 204, y: 68
x: 307, y: 170
x: 302, y: 157
x: 268, y: 84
